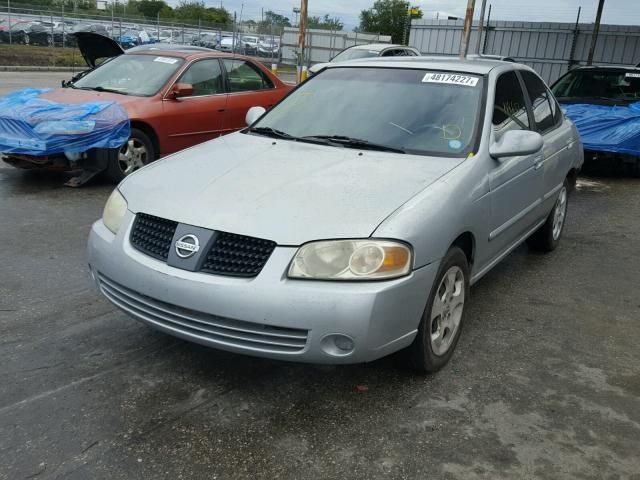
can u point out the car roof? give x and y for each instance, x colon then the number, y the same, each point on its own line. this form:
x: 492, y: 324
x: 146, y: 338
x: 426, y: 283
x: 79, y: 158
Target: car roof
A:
x: 378, y: 47
x: 479, y: 66
x: 185, y: 52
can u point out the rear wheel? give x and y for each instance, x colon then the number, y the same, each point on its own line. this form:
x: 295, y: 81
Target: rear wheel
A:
x: 547, y: 237
x: 133, y: 155
x: 25, y: 39
x: 442, y: 320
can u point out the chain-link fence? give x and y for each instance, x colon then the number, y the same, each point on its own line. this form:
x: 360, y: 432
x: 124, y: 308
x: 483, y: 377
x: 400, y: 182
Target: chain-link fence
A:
x: 37, y: 25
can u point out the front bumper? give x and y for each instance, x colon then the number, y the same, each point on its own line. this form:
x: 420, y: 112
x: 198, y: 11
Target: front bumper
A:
x: 269, y: 315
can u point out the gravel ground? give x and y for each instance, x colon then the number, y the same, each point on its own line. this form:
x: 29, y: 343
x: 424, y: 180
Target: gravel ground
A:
x: 545, y: 382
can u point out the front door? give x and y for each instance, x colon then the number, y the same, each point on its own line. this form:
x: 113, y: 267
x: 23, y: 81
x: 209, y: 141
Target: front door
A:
x: 515, y: 182
x: 199, y: 117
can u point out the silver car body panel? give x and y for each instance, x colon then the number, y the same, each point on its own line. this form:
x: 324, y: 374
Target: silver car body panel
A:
x: 292, y: 193
x: 283, y: 191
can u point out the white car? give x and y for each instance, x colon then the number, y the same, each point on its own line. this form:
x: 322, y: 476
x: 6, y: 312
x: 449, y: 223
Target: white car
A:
x: 368, y: 51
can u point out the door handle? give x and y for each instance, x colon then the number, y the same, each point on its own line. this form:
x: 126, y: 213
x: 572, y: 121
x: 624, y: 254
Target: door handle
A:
x: 538, y: 162
x: 569, y: 144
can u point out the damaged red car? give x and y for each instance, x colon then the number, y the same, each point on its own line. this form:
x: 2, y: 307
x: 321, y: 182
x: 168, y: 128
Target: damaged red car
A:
x: 175, y: 97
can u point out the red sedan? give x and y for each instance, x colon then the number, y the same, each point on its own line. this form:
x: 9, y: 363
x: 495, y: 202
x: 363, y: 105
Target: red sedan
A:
x: 175, y: 97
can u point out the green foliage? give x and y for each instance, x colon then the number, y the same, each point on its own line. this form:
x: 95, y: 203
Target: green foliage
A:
x: 325, y: 23
x: 194, y: 9
x: 388, y: 17
x: 273, y: 23
x: 150, y: 8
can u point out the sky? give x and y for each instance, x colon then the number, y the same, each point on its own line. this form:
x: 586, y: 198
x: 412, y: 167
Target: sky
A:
x: 615, y: 11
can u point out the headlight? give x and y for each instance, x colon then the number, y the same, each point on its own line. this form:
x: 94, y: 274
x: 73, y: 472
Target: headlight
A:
x: 114, y: 211
x: 351, y: 260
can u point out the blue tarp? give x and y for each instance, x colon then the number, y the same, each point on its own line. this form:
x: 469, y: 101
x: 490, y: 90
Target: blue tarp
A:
x: 31, y: 125
x: 607, y: 129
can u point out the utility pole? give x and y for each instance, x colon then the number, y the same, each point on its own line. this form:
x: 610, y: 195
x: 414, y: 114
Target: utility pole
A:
x: 464, y: 41
x: 302, y: 25
x: 481, y: 26
x: 596, y: 30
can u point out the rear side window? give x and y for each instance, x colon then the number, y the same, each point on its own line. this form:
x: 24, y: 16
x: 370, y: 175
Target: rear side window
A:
x: 509, y: 109
x: 244, y: 77
x: 541, y: 101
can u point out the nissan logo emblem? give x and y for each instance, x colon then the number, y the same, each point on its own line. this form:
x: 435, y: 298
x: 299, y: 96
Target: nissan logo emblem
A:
x: 187, y: 246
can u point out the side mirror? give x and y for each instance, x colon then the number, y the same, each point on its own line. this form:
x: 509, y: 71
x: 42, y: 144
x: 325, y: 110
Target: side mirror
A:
x: 516, y: 143
x: 181, y: 90
x: 253, y: 114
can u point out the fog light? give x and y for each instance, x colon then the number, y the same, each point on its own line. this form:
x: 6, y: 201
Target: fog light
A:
x: 337, y: 345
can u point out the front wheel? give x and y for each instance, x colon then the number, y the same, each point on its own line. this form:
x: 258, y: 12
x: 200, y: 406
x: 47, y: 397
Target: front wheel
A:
x: 547, y: 237
x: 133, y: 155
x: 442, y: 320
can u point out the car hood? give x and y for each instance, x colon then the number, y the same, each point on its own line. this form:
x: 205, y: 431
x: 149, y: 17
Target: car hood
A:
x: 279, y: 190
x: 132, y: 104
x: 94, y: 46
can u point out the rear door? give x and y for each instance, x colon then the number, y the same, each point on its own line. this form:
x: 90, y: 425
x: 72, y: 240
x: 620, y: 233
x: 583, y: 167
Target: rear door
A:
x: 558, y: 136
x: 515, y: 182
x: 199, y: 117
x: 248, y: 87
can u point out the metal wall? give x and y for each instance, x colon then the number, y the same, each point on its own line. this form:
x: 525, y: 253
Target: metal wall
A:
x: 550, y: 48
x: 322, y: 45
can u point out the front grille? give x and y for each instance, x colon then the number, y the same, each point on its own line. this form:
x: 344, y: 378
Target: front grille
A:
x: 203, y: 327
x: 153, y: 235
x: 237, y: 255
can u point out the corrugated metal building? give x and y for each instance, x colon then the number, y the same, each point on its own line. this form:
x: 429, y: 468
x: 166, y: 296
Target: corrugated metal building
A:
x: 550, y: 48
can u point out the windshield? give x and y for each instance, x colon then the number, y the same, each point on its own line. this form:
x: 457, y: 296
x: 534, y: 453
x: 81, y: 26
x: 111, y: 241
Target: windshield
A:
x: 140, y: 75
x: 353, y: 53
x: 599, y: 84
x: 404, y: 109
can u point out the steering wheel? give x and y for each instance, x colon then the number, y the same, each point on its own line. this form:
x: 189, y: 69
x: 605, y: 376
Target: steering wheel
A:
x: 515, y: 119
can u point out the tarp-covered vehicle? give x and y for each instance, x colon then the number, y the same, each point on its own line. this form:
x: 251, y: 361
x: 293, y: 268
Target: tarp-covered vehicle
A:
x: 171, y: 97
x: 604, y: 104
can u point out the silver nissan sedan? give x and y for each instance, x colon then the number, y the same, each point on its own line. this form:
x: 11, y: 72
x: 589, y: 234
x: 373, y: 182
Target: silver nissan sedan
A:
x: 349, y: 221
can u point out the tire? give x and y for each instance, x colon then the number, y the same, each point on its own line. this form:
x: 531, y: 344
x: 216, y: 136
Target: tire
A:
x: 547, y: 237
x: 443, y: 317
x: 133, y: 155
x: 25, y: 39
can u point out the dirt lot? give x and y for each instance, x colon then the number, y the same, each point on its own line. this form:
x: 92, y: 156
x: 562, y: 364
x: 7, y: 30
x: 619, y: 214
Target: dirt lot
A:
x: 545, y: 382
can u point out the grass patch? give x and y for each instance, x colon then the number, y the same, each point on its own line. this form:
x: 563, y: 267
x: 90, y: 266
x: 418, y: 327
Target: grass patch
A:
x: 32, y: 56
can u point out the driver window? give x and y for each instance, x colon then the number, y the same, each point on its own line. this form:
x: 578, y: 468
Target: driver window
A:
x: 509, y: 109
x: 205, y: 76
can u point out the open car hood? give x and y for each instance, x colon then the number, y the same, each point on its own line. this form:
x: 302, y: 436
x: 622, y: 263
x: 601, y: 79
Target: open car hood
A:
x: 93, y: 46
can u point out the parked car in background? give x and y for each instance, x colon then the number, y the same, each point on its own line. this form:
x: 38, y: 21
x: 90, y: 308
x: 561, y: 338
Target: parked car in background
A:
x: 207, y: 40
x: 368, y: 51
x: 227, y: 44
x: 249, y: 45
x: 340, y: 232
x: 20, y: 33
x: 269, y: 47
x: 604, y: 103
x: 132, y: 38
x: 175, y: 98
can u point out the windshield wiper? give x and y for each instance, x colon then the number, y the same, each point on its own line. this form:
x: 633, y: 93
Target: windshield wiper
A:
x: 110, y: 90
x: 351, y: 142
x: 272, y: 132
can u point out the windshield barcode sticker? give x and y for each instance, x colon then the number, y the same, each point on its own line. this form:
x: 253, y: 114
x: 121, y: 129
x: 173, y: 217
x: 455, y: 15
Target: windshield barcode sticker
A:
x: 165, y: 60
x: 451, y: 79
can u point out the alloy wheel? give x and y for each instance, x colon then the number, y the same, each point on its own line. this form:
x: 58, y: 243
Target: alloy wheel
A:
x: 446, y: 311
x: 132, y: 156
x: 559, y: 213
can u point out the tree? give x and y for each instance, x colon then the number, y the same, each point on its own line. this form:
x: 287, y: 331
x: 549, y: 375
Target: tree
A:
x: 388, y: 17
x: 325, y: 23
x: 273, y: 23
x: 150, y: 8
x: 195, y: 9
